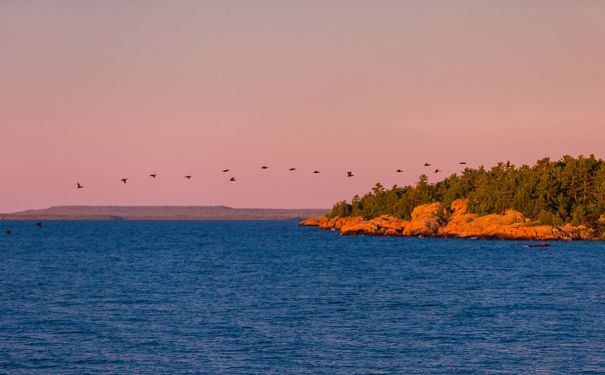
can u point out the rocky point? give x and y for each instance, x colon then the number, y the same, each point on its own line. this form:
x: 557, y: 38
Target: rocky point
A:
x: 427, y: 221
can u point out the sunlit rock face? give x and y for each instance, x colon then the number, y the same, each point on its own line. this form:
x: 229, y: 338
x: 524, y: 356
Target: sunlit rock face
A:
x: 426, y: 221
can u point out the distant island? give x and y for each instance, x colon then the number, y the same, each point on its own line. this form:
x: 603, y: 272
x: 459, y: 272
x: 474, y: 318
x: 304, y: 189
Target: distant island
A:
x: 161, y: 213
x: 551, y: 200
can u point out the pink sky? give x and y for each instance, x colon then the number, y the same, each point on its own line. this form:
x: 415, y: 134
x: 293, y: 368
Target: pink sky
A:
x: 96, y: 91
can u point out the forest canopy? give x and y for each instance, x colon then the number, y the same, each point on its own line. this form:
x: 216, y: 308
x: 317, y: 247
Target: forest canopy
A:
x: 570, y: 190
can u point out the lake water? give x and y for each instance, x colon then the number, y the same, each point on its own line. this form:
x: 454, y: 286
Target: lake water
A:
x: 272, y: 297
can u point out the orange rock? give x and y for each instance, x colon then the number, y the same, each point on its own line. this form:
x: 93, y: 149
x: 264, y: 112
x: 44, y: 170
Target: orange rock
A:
x: 359, y: 227
x: 459, y: 205
x: 314, y: 221
x: 390, y: 225
x: 426, y: 222
x: 511, y: 225
x: 328, y: 224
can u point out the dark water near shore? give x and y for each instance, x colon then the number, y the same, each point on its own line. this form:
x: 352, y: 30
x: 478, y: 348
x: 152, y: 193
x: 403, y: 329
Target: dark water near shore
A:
x: 271, y: 297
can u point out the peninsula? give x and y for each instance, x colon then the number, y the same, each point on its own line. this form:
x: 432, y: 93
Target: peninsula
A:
x: 551, y: 200
x: 160, y: 213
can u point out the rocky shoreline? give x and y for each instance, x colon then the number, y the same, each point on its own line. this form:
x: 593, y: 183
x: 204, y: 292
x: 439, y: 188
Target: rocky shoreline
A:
x: 426, y: 222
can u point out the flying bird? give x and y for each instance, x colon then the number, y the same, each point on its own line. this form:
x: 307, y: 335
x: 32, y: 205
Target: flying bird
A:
x: 8, y: 231
x: 350, y: 174
x: 462, y: 162
x: 399, y: 171
x: 124, y: 180
x: 232, y: 179
x: 188, y: 177
x: 315, y: 171
x: 225, y: 170
x: 427, y: 164
x: 153, y: 175
x: 39, y: 224
x: 292, y: 169
x: 437, y: 170
x: 264, y: 167
x: 78, y: 186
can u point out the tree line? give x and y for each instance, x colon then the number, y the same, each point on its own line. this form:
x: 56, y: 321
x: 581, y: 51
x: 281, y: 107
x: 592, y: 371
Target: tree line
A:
x: 570, y: 190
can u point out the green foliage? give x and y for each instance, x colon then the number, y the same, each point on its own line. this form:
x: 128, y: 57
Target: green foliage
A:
x: 570, y: 190
x: 340, y: 209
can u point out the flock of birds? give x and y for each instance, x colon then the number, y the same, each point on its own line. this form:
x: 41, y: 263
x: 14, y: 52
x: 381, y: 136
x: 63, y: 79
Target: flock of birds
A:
x: 232, y: 179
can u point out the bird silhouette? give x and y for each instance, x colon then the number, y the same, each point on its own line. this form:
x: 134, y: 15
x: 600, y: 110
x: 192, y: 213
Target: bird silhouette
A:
x: 437, y: 170
x: 39, y: 224
x: 78, y: 186
x: 188, y: 177
x: 153, y: 175
x: 225, y: 170
x: 462, y: 162
x: 316, y: 172
x: 427, y: 164
x: 232, y: 179
x: 350, y: 174
x: 8, y: 231
x: 399, y: 171
x: 124, y: 180
x: 292, y: 169
x: 264, y: 167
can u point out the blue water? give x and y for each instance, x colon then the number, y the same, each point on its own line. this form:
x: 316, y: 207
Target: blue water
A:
x: 272, y: 297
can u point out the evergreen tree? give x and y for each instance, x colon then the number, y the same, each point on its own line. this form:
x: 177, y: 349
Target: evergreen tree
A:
x: 570, y: 190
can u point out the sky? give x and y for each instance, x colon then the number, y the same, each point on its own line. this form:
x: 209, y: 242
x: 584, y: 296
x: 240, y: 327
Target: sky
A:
x: 94, y: 91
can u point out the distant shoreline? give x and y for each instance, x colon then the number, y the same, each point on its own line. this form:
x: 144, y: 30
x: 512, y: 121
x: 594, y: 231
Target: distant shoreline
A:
x: 157, y: 213
x: 82, y: 218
